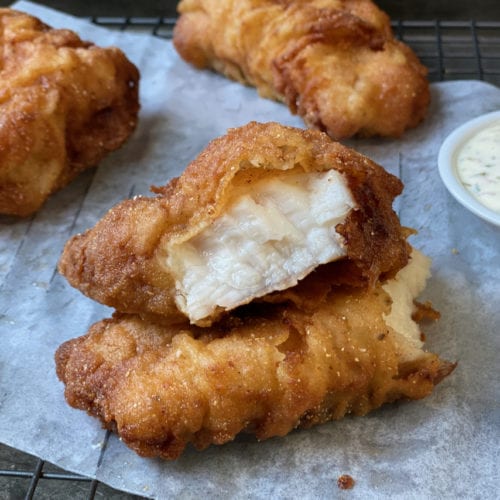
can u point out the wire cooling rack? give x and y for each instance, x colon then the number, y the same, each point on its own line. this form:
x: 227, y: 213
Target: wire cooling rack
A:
x: 451, y: 50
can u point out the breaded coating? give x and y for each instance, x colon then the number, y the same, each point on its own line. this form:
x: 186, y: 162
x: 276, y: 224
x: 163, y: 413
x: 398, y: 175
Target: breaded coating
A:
x: 64, y: 104
x: 266, y: 370
x: 256, y: 212
x: 335, y: 63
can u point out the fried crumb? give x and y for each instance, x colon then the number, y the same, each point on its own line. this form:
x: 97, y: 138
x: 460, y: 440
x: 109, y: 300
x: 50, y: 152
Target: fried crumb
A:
x: 345, y: 482
x: 425, y: 311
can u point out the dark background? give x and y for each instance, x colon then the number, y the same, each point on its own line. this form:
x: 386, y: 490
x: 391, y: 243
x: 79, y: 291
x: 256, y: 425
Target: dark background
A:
x: 480, y: 10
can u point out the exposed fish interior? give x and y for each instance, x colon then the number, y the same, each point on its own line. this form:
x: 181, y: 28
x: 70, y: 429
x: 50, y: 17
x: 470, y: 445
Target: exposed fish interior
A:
x: 404, y: 288
x: 273, y: 233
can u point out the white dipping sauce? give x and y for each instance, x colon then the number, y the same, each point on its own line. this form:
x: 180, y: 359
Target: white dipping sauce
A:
x: 478, y: 166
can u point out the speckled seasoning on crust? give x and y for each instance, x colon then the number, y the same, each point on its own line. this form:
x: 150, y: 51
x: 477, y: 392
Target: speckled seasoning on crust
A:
x: 64, y: 105
x: 262, y: 197
x: 339, y: 339
x: 335, y: 63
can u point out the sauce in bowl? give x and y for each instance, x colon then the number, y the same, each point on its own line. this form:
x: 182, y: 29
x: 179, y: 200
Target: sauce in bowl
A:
x: 469, y: 165
x: 478, y: 166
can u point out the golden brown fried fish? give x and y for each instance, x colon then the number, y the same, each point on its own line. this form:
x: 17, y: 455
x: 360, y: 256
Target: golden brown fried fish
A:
x: 64, y: 104
x: 257, y: 211
x: 266, y: 369
x: 334, y: 62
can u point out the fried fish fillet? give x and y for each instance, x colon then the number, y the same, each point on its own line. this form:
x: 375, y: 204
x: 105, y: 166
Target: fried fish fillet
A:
x: 64, y: 104
x: 256, y: 212
x: 335, y: 63
x: 266, y: 370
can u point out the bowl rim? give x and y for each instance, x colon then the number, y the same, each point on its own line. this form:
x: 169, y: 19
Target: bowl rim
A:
x: 447, y: 165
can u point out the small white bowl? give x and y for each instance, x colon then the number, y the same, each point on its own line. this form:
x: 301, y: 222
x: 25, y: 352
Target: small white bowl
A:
x: 448, y: 165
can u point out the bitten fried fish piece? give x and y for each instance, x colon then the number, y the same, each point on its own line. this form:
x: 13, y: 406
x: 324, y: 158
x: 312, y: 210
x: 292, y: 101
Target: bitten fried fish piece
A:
x: 257, y: 211
x: 267, y: 370
x: 335, y: 63
x: 64, y: 104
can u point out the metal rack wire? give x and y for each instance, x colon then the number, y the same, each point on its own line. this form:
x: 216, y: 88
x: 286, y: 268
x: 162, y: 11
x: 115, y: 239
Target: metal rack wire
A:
x: 455, y: 50
x: 23, y: 476
x: 451, y: 50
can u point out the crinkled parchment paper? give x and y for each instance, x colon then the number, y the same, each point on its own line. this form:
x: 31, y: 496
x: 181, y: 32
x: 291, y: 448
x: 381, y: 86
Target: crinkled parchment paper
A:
x: 446, y: 446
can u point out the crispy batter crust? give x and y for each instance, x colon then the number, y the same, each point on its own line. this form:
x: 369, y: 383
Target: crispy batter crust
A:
x: 267, y: 371
x: 121, y: 261
x: 64, y: 104
x: 334, y: 62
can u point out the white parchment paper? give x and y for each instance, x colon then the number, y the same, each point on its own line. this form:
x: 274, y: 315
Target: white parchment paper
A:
x: 446, y: 446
